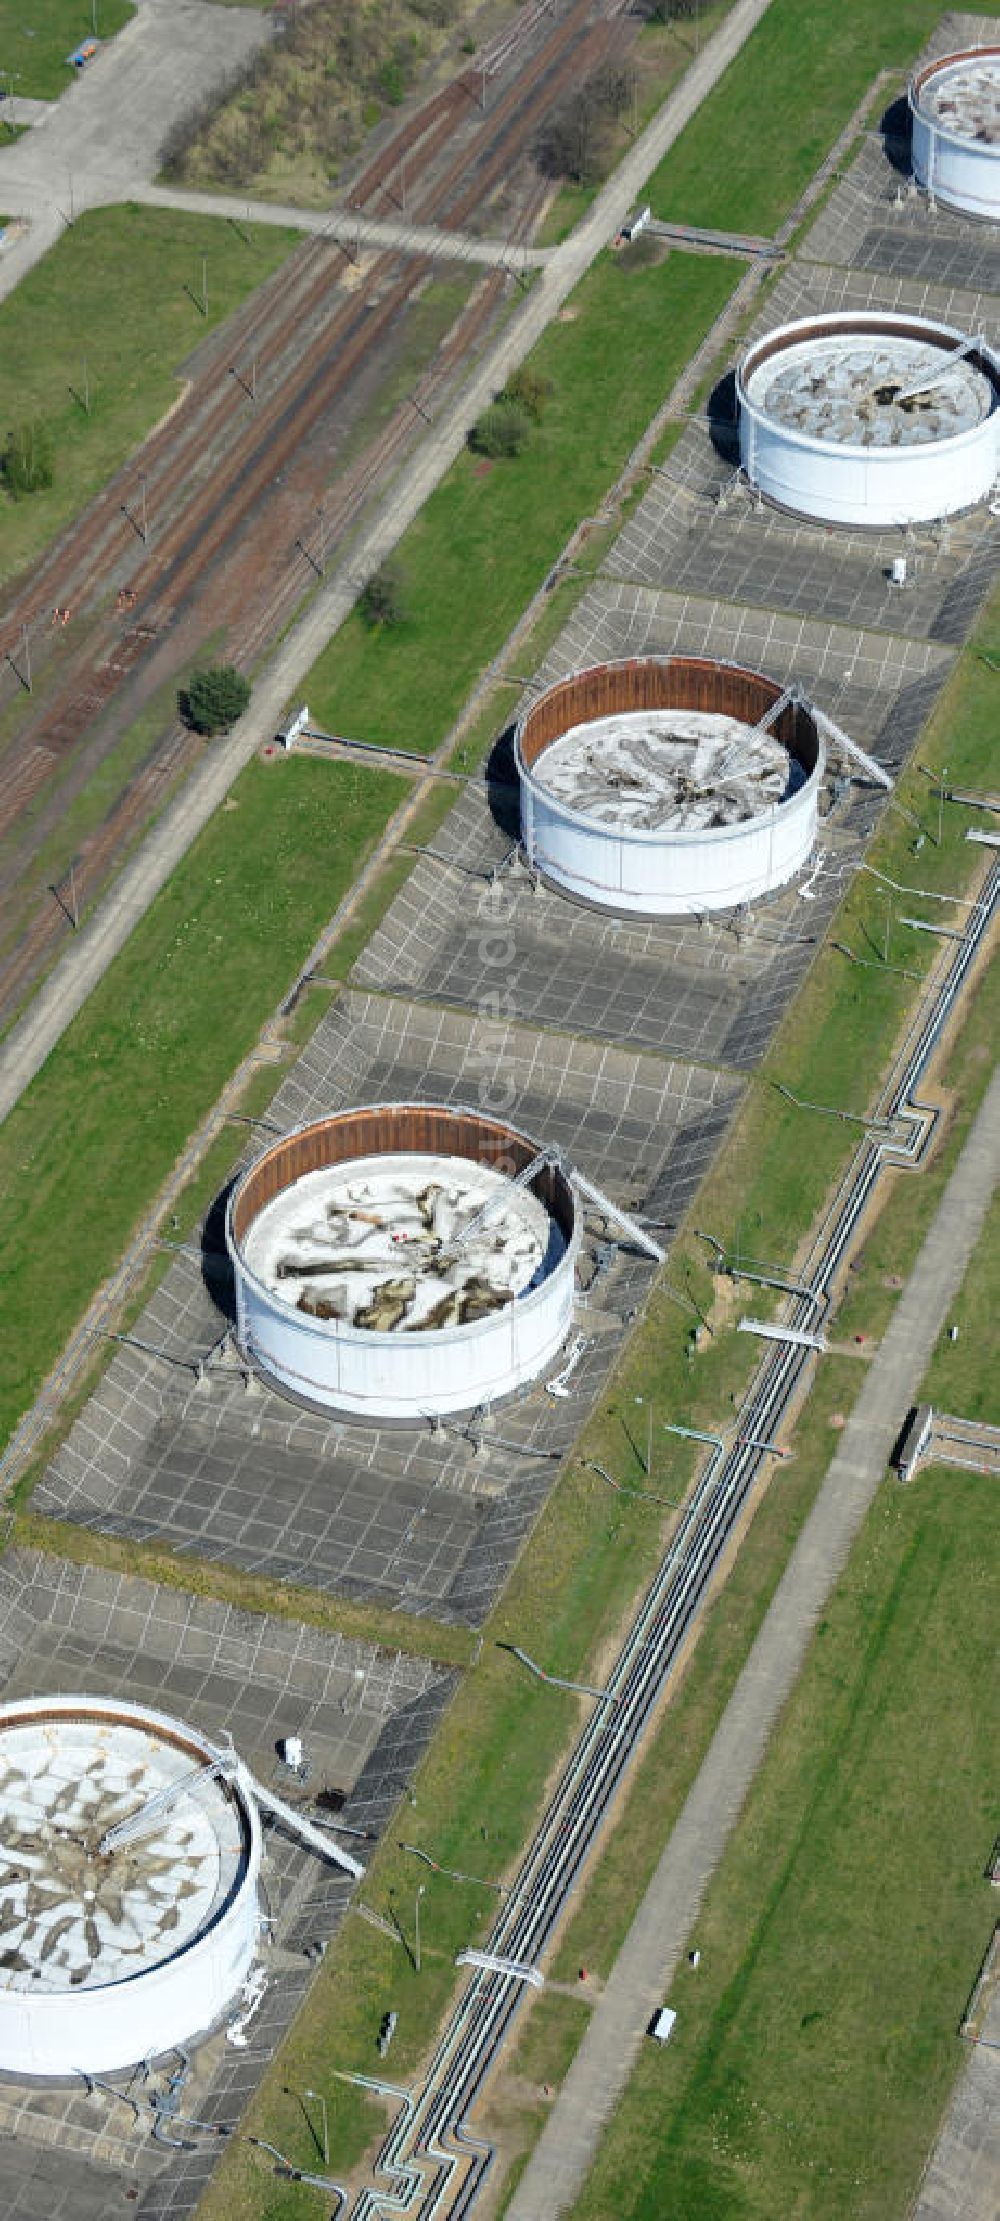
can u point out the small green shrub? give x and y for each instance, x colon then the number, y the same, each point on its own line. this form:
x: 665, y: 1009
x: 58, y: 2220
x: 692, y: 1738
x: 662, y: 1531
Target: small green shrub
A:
x: 215, y: 698
x: 26, y: 463
x: 503, y: 430
x: 393, y: 82
x: 529, y: 389
x: 383, y: 601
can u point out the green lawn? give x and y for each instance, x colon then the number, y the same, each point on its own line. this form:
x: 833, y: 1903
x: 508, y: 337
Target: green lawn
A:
x: 757, y: 140
x: 107, y: 309
x: 37, y: 35
x: 816, y: 2048
x: 86, y: 1148
x: 958, y: 1379
x: 482, y: 544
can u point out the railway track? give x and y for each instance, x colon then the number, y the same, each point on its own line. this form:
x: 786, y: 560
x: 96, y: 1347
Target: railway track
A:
x: 433, y: 2164
x: 208, y: 476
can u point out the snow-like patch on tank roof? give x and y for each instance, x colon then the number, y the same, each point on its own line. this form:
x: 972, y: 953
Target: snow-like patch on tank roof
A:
x: 964, y: 98
x: 870, y: 390
x: 384, y: 1243
x: 665, y: 771
x: 72, y: 1918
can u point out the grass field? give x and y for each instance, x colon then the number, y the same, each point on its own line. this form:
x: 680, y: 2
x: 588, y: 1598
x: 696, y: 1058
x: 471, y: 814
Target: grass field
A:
x: 302, y: 110
x: 759, y: 137
x: 37, y: 35
x: 960, y: 1378
x: 815, y: 2051
x: 101, y: 1126
x: 108, y: 308
x: 483, y: 542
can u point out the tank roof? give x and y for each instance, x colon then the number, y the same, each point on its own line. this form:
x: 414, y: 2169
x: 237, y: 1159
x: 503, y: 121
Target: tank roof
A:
x: 73, y: 1917
x: 667, y: 770
x: 962, y: 94
x: 854, y: 387
x: 388, y: 1242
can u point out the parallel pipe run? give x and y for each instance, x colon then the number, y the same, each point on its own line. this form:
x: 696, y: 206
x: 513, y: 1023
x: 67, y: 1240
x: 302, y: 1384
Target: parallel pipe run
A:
x: 438, y: 2167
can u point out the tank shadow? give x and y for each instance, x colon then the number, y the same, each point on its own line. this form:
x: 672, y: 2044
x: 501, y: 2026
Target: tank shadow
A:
x: 216, y: 1270
x: 502, y: 785
x: 895, y: 128
x: 724, y: 420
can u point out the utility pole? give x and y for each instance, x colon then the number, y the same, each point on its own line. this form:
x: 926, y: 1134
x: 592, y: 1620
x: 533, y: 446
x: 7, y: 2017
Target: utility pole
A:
x: 941, y: 780
x: 320, y: 2100
x: 204, y: 285
x: 649, y: 1435
x: 416, y: 1928
x: 251, y: 389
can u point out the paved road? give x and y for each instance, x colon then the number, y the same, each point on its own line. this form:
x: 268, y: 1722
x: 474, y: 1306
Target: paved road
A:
x: 962, y: 2182
x: 653, y: 1948
x: 353, y: 230
x: 92, y: 950
x: 103, y: 138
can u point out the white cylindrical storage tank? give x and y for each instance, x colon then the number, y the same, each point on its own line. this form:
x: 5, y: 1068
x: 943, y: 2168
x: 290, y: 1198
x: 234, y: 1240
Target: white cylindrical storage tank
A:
x: 668, y: 785
x: 390, y: 1264
x: 870, y: 419
x: 109, y: 1958
x: 955, y: 116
